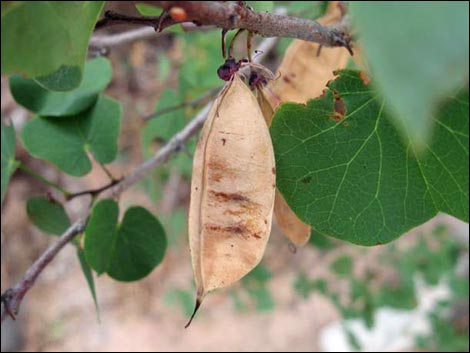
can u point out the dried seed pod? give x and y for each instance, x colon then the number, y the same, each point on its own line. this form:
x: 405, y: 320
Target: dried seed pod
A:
x: 304, y: 73
x: 293, y: 228
x: 232, y: 191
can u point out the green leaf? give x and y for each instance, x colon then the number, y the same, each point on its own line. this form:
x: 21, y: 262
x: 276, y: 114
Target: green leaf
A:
x: 47, y: 215
x: 148, y: 10
x: 353, y: 179
x: 418, y: 54
x: 261, y: 6
x: 66, y: 142
x: 100, y: 233
x: 342, y: 266
x: 87, y: 272
x: 9, y: 164
x: 42, y: 37
x: 32, y: 96
x: 66, y: 78
x: 127, y: 252
x: 7, y: 6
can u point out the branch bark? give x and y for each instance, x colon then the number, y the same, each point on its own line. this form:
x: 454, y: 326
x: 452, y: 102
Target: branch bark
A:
x: 234, y: 14
x: 113, y: 40
x: 12, y: 298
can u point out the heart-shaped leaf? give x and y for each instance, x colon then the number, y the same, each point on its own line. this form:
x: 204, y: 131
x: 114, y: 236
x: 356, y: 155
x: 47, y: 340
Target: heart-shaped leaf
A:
x: 343, y: 168
x: 43, y: 37
x: 47, y: 215
x: 126, y: 252
x: 32, y: 96
x: 418, y: 54
x: 9, y: 164
x: 87, y: 272
x: 66, y: 142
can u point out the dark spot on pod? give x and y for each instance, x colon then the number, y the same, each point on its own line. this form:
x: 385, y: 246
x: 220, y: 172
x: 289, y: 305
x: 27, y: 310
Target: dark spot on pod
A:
x: 230, y: 196
x: 273, y: 170
x: 224, y: 141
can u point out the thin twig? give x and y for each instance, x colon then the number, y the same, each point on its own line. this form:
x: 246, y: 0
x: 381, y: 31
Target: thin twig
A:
x: 113, y: 40
x: 12, y: 298
x: 112, y: 18
x: 233, y: 14
x: 192, y: 103
x: 93, y: 192
x: 175, y: 144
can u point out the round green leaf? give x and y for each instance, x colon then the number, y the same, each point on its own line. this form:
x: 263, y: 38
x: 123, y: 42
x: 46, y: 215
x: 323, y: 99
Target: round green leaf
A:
x: 31, y: 95
x: 418, y: 53
x: 9, y: 164
x: 352, y: 177
x: 66, y: 78
x: 47, y: 215
x: 100, y: 234
x: 139, y: 247
x: 66, y: 142
x: 127, y: 252
x: 40, y: 37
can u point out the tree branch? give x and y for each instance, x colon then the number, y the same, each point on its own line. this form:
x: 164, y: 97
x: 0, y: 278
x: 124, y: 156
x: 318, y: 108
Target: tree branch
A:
x: 112, y: 18
x: 12, y: 298
x: 194, y: 103
x: 233, y: 14
x: 114, y: 40
x: 174, y: 145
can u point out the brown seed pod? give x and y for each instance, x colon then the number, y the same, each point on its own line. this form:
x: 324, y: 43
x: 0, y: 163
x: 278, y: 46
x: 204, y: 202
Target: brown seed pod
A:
x: 293, y: 228
x: 303, y: 75
x: 232, y: 191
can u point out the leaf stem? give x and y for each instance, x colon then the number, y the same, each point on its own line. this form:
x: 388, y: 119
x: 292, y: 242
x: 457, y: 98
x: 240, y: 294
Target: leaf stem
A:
x: 42, y: 179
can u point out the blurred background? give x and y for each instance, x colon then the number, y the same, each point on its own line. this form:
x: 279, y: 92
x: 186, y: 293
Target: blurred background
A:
x: 329, y: 295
